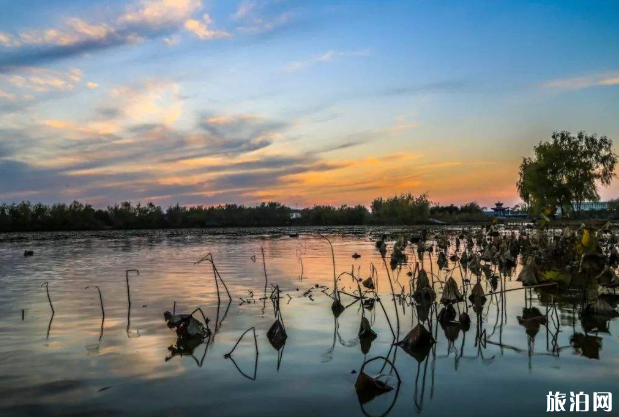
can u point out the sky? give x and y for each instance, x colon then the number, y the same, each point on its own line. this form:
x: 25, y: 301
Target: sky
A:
x: 302, y: 102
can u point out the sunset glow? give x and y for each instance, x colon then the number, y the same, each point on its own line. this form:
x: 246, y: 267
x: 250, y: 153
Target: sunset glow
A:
x: 208, y: 102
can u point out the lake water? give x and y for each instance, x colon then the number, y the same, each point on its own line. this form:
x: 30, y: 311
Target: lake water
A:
x: 72, y: 366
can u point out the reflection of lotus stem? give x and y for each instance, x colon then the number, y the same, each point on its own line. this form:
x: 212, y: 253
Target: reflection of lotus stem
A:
x: 397, y: 315
x: 374, y: 272
x: 127, y: 279
x: 227, y: 355
x: 264, y: 266
x: 46, y: 284
x: 388, y: 321
x: 216, y: 275
x: 335, y: 291
x: 100, y: 299
x: 102, y: 310
x: 49, y: 327
x: 129, y: 299
x: 203, y: 316
x: 386, y: 360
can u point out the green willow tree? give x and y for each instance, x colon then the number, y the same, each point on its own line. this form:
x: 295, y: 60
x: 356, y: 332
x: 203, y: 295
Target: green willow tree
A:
x: 566, y: 171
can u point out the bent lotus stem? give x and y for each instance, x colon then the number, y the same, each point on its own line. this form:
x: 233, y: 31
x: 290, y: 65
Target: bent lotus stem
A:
x: 129, y: 299
x: 395, y: 398
x: 397, y: 315
x: 127, y: 279
x: 217, y: 276
x: 100, y: 300
x: 335, y: 290
x: 102, y: 310
x: 46, y: 284
x: 206, y: 321
x: 264, y: 267
x: 229, y: 354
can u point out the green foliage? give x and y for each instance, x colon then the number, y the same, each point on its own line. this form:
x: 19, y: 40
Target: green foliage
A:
x: 332, y: 216
x: 469, y: 212
x: 613, y: 208
x: 565, y: 172
x: 402, y: 209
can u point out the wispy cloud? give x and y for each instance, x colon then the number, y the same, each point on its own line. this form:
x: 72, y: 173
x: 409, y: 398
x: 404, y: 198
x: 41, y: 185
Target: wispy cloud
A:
x: 138, y: 22
x: 42, y: 80
x: 258, y: 19
x: 325, y: 57
x: 6, y: 96
x: 130, y: 26
x: 220, y: 159
x: 23, y: 89
x: 585, y: 81
x: 244, y: 9
x: 8, y: 41
x: 401, y: 127
x: 202, y: 28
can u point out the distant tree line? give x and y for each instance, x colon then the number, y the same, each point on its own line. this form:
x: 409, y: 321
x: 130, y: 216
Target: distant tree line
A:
x: 402, y: 209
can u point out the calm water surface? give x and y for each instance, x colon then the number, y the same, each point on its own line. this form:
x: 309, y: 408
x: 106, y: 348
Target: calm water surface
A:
x: 72, y: 366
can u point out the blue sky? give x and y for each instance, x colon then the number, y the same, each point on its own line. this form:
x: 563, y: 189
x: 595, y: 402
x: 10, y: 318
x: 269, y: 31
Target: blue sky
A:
x: 204, y: 102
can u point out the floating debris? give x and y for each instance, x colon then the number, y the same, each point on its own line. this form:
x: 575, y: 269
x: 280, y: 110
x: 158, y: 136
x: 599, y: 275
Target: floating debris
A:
x: 602, y: 307
x: 442, y: 260
x: 528, y: 275
x: 368, y: 283
x: 451, y: 292
x: 277, y: 335
x: 187, y: 325
x: 532, y: 319
x: 417, y: 343
x: 366, y: 335
x: 608, y: 278
x: 477, y: 294
x: 586, y: 345
x: 447, y: 314
x: 424, y: 291
x: 337, y: 308
x: 368, y: 388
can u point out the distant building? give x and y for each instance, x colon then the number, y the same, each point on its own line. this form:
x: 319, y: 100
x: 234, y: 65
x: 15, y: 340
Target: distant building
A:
x: 593, y: 205
x: 499, y: 210
x: 589, y: 206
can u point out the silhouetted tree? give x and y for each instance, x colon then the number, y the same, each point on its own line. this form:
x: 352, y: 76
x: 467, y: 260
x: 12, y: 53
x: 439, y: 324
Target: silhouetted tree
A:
x: 565, y: 172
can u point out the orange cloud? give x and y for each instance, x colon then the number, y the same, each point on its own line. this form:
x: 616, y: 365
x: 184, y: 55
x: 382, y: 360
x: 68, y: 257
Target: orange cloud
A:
x: 42, y: 80
x: 202, y: 28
